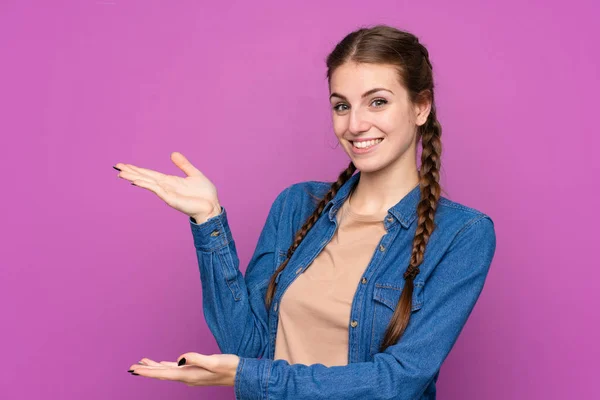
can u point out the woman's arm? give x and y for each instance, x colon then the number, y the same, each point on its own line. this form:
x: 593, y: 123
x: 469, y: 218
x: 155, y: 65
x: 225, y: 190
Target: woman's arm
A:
x: 404, y: 370
x: 234, y: 306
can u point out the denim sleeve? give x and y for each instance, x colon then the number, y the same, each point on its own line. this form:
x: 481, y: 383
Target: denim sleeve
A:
x: 404, y: 370
x: 234, y: 306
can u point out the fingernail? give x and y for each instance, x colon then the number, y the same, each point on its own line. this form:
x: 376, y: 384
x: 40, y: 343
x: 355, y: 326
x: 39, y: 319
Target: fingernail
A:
x: 181, y: 362
x: 133, y: 184
x: 133, y: 373
x: 129, y: 370
x: 116, y: 168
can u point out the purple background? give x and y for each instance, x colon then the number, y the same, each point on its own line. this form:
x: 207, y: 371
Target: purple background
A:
x: 97, y: 273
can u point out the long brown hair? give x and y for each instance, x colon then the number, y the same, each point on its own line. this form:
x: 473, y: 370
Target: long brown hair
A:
x: 382, y: 44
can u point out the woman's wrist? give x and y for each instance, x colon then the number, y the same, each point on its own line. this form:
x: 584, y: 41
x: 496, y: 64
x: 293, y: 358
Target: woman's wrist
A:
x: 233, y: 371
x: 198, y: 219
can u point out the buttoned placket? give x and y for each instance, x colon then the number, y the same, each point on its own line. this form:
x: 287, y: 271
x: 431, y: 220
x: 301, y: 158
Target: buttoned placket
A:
x: 357, y: 302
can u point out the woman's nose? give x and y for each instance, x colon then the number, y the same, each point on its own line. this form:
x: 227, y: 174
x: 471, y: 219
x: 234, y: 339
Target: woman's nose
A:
x: 358, y: 122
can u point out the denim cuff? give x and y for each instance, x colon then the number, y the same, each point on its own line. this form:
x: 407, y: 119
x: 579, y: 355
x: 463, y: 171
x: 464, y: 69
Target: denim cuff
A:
x: 212, y: 234
x: 252, y: 378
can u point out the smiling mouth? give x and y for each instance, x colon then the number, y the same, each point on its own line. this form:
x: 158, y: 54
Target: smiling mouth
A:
x: 366, y: 143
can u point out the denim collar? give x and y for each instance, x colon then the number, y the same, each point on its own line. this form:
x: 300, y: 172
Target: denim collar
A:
x: 405, y: 211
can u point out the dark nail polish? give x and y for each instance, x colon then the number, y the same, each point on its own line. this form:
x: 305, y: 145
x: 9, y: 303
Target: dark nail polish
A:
x: 133, y: 373
x: 181, y: 362
x: 129, y: 370
x: 133, y: 184
x: 116, y: 168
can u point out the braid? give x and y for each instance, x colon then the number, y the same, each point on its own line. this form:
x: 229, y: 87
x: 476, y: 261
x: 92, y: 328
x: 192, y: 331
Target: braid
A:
x: 423, y: 50
x: 308, y: 224
x: 425, y: 55
x: 430, y: 194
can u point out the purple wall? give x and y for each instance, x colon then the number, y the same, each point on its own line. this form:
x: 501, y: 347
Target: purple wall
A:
x: 97, y: 273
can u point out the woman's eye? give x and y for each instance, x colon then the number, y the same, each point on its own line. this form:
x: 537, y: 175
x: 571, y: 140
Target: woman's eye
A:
x: 343, y: 107
x: 384, y: 101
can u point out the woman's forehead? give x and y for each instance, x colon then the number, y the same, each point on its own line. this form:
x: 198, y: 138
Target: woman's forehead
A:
x: 353, y: 79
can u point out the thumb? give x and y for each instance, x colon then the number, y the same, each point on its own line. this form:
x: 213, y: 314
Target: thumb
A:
x: 197, y: 359
x: 184, y: 164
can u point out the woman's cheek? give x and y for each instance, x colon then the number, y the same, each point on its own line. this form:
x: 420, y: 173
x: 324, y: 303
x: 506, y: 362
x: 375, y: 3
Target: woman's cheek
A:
x: 339, y: 127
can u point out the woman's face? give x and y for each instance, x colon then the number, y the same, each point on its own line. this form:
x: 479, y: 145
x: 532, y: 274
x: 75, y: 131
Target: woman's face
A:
x: 372, y: 116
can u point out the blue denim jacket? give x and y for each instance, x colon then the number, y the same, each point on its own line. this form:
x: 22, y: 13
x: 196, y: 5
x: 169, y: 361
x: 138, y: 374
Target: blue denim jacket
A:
x: 456, y: 262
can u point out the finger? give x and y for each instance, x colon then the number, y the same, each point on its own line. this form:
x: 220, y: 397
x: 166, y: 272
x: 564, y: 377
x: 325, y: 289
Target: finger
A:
x: 184, y: 164
x: 147, y: 172
x: 133, y: 176
x: 126, y: 168
x: 159, y: 372
x: 187, y: 374
x: 137, y: 367
x: 151, y: 186
x: 122, y: 167
x: 147, y: 361
x: 169, y: 363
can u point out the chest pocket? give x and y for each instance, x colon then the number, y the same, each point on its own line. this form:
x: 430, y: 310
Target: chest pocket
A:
x: 385, y: 300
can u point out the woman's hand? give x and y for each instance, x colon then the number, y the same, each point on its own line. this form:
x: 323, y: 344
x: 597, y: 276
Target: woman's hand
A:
x: 193, y: 195
x: 196, y: 370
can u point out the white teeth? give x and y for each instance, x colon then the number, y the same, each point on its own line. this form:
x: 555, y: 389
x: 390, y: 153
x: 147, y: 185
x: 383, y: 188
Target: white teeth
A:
x: 368, y: 143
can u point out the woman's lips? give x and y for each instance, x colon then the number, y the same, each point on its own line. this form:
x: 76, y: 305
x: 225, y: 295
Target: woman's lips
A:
x: 356, y: 150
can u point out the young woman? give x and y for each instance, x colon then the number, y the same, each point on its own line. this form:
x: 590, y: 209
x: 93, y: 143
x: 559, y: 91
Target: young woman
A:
x: 361, y: 293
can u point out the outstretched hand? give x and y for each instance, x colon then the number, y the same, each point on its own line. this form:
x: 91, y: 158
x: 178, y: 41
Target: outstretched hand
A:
x: 195, y: 369
x: 195, y: 195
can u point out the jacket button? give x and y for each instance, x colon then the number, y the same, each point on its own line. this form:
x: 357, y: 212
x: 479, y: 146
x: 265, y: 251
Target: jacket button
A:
x: 215, y: 233
x: 381, y: 247
x: 354, y: 324
x: 390, y: 219
x: 275, y: 307
x: 298, y: 270
x: 364, y: 280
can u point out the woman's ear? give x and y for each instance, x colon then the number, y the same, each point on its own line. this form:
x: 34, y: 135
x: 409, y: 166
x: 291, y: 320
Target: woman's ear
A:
x: 422, y: 108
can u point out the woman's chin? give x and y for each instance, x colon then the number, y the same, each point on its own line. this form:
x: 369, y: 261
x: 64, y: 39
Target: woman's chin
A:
x: 367, y: 166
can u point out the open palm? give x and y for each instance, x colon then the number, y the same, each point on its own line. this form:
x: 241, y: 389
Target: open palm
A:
x: 194, y: 195
x: 193, y: 369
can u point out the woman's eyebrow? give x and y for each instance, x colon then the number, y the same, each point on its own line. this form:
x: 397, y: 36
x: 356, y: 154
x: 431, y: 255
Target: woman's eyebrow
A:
x: 365, y: 94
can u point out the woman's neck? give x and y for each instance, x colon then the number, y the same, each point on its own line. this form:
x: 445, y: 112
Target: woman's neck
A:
x: 377, y: 192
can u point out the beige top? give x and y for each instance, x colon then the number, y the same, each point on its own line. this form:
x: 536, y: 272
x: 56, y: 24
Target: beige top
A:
x: 314, y: 312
